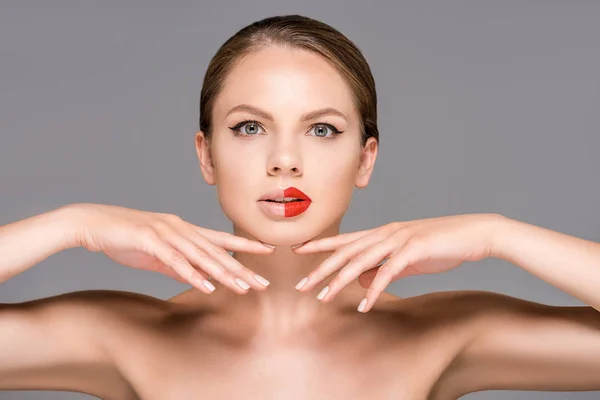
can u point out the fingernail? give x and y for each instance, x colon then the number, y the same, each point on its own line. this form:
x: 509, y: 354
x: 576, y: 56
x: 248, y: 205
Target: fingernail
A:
x: 362, y: 305
x: 301, y: 283
x: 297, y: 245
x: 270, y: 246
x: 208, y: 285
x: 242, y: 284
x: 321, y: 295
x: 262, y: 280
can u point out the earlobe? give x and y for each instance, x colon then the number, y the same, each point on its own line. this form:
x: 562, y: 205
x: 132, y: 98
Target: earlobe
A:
x: 205, y: 158
x: 367, y: 162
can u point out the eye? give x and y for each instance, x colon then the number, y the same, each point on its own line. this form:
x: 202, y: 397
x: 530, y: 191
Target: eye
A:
x: 250, y: 128
x: 321, y: 130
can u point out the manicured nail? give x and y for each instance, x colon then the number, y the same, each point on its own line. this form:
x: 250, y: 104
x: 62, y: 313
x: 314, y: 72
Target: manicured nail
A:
x: 262, y: 280
x: 270, y: 246
x: 321, y: 295
x: 297, y: 245
x: 242, y: 284
x: 362, y: 305
x: 209, y: 286
x: 301, y: 283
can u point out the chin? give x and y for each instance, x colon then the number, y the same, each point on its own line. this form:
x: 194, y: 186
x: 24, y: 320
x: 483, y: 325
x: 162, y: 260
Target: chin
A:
x: 278, y: 233
x: 286, y: 236
x: 284, y: 232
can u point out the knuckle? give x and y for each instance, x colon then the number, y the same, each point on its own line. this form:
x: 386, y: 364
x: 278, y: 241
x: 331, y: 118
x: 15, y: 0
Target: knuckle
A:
x: 219, y: 251
x: 201, y: 252
x: 344, y: 275
x: 177, y: 258
x: 160, y: 225
x: 415, y: 241
x: 360, y: 258
x: 341, y: 254
x: 385, y: 270
x: 173, y: 219
x: 147, y: 239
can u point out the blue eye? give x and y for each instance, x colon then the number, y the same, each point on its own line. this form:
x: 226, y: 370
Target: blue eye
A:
x: 236, y: 129
x: 251, y: 123
x: 333, y: 129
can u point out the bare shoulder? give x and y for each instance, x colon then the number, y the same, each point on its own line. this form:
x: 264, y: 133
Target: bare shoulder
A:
x: 71, y: 341
x: 91, y: 304
x: 477, y: 315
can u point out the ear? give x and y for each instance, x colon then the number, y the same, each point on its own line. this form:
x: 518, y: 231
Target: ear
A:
x: 205, y: 158
x: 367, y: 161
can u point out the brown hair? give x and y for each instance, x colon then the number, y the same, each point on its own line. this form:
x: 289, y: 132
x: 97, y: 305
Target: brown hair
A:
x: 295, y: 31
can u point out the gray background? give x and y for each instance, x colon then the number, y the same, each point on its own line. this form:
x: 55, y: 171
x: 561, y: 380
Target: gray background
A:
x: 484, y: 107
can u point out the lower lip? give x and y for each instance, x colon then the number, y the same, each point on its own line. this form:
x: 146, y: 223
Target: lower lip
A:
x: 286, y: 210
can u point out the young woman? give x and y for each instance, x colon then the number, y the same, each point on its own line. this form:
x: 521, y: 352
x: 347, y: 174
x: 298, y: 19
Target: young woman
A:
x: 287, y: 131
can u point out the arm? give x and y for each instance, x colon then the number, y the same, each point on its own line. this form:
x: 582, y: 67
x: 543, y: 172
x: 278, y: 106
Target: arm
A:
x: 523, y: 345
x: 53, y: 343
x: 567, y: 262
x: 29, y: 241
x: 60, y: 343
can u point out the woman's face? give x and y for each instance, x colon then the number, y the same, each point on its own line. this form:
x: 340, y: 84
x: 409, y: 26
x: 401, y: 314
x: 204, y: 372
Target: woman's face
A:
x: 282, y: 149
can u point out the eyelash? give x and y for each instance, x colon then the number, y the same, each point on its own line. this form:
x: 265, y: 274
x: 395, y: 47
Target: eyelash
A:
x: 236, y: 128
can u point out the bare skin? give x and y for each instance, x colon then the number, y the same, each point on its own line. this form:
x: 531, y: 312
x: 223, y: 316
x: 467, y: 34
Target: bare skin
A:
x: 436, y: 346
x: 279, y: 342
x: 133, y: 346
x: 184, y: 348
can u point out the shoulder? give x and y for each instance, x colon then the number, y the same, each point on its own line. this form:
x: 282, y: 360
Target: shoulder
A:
x: 98, y: 312
x: 474, y: 313
x: 46, y: 339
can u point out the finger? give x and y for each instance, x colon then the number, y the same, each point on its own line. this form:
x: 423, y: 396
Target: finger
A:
x: 331, y: 243
x: 203, y: 257
x: 393, y: 268
x: 368, y: 259
x: 232, y: 242
x: 366, y: 278
x: 235, y: 268
x: 168, y: 271
x: 338, y: 259
x: 177, y: 261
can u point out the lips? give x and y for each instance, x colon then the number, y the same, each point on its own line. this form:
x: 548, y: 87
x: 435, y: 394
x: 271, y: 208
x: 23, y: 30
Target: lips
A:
x: 288, y: 209
x: 289, y: 192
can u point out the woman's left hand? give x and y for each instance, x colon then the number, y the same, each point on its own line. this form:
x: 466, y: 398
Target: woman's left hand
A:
x: 426, y: 246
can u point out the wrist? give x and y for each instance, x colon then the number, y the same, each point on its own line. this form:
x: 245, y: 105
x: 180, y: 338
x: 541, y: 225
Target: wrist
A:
x: 501, y: 228
x: 67, y: 223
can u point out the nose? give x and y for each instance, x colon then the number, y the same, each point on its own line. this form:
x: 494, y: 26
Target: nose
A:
x: 285, y: 161
x: 284, y: 166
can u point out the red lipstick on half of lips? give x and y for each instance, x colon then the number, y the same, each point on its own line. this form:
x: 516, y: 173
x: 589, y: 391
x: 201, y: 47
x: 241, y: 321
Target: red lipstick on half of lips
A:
x: 287, y: 202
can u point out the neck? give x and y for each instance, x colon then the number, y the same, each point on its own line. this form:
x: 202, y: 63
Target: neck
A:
x: 281, y: 306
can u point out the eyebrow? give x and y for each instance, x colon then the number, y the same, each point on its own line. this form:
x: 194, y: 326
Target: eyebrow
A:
x: 305, y: 117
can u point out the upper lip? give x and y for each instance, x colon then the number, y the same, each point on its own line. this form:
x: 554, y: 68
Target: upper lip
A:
x: 289, y: 192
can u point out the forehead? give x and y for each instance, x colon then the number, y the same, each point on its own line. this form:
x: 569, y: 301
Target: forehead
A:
x: 281, y: 79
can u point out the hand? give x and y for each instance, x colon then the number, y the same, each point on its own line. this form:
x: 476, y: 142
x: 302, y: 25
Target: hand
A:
x: 167, y: 244
x: 426, y: 246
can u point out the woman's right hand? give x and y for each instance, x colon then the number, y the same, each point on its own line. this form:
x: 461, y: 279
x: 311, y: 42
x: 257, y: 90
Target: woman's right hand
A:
x: 167, y: 244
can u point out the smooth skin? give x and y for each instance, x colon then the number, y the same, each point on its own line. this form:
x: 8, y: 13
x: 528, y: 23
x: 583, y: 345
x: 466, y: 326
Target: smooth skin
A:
x: 118, y: 345
x: 273, y: 342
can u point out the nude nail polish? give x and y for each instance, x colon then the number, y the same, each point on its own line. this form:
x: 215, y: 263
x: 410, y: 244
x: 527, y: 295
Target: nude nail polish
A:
x: 261, y: 280
x: 208, y: 285
x: 301, y: 283
x: 242, y: 284
x: 323, y: 293
x: 362, y: 305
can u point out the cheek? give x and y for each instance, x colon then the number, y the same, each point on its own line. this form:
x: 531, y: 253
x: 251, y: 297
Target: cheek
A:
x: 236, y: 183
x: 335, y: 181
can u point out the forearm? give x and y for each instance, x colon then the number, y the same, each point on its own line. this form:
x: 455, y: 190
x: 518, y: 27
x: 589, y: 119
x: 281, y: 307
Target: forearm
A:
x: 27, y: 242
x: 572, y: 264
